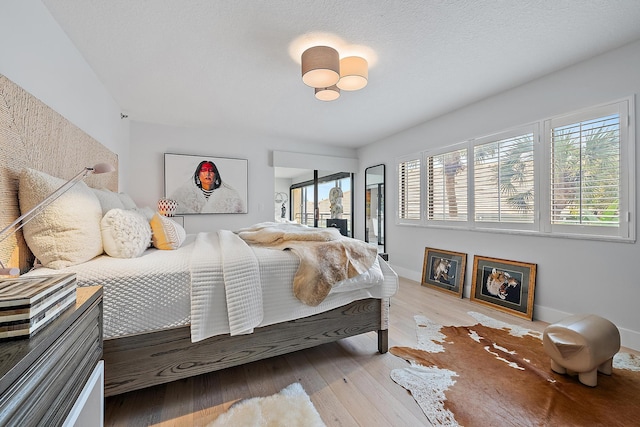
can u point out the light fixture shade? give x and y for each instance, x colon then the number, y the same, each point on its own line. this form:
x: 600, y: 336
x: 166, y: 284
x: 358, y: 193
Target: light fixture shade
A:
x: 100, y: 168
x: 320, y: 66
x: 354, y: 73
x: 328, y: 93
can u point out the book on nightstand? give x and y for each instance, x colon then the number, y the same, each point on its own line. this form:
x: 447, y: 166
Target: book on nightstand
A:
x: 27, y: 304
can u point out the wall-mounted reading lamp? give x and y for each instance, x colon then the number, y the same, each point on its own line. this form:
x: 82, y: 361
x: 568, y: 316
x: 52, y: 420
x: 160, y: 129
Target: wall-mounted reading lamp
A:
x: 22, y: 220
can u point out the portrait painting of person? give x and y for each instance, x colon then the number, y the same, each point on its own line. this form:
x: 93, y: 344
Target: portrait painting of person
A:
x: 206, y: 192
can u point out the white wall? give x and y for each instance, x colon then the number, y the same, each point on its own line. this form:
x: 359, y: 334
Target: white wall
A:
x: 149, y: 142
x: 574, y: 276
x: 38, y: 56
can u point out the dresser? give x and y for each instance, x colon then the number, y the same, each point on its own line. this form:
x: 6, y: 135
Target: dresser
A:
x: 56, y: 377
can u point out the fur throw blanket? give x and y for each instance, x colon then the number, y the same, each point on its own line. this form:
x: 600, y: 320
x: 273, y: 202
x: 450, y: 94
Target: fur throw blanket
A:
x: 326, y: 257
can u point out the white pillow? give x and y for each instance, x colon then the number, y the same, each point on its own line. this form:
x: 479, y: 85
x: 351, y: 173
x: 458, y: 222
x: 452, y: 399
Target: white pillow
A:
x: 108, y: 200
x: 127, y: 201
x: 166, y: 233
x: 67, y: 232
x: 125, y: 233
x: 146, y: 211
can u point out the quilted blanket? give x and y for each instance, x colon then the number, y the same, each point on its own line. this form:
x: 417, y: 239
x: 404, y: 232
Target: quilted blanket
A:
x: 223, y: 264
x: 326, y: 257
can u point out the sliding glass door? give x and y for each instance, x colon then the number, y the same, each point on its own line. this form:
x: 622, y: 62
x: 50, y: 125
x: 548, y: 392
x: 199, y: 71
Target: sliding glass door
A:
x: 323, y: 201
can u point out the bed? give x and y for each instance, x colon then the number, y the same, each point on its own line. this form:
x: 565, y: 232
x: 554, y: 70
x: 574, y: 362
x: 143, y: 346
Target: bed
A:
x: 153, y: 342
x: 149, y: 336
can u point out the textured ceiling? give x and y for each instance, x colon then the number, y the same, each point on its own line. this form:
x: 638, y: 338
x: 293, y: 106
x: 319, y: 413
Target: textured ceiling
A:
x: 229, y: 64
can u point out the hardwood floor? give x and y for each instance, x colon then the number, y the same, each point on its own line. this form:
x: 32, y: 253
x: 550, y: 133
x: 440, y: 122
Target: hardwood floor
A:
x: 348, y: 381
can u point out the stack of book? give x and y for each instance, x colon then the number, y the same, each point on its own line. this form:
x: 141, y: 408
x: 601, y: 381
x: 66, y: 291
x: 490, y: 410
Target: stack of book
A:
x: 27, y: 304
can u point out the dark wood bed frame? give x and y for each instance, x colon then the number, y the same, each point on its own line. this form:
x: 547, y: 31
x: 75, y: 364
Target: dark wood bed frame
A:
x: 144, y: 360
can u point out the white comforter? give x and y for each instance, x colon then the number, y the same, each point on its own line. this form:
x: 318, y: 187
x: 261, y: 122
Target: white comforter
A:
x: 155, y: 291
x: 222, y: 263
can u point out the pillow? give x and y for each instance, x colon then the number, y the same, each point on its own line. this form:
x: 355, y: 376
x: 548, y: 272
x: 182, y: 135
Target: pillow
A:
x: 166, y: 234
x: 127, y: 201
x: 67, y: 232
x: 108, y: 200
x: 146, y: 211
x: 125, y: 233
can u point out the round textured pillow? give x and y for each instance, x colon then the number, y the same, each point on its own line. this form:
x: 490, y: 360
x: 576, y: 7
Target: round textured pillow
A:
x: 125, y: 233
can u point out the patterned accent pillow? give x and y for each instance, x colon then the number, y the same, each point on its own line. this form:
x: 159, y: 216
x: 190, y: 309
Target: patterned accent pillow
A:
x: 125, y: 233
x: 167, y: 234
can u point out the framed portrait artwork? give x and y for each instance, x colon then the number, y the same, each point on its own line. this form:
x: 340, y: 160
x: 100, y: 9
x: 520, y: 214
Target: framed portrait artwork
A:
x: 505, y: 285
x: 444, y: 270
x: 205, y: 184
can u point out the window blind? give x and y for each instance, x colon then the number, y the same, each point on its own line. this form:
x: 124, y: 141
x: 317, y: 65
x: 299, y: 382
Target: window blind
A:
x: 504, y: 180
x: 447, y: 186
x: 585, y: 172
x: 409, y: 189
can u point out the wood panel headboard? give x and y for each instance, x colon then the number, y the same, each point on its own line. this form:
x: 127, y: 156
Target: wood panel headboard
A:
x: 35, y: 136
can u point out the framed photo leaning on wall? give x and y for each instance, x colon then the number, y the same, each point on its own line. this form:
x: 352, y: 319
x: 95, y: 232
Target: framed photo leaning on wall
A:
x: 504, y: 285
x: 205, y: 184
x: 444, y: 270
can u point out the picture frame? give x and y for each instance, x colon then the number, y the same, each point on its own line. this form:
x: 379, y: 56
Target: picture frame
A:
x: 508, y: 286
x: 228, y: 182
x: 444, y: 270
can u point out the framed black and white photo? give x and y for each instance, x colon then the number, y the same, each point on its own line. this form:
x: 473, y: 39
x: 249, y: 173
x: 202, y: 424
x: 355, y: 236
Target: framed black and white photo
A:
x: 205, y: 184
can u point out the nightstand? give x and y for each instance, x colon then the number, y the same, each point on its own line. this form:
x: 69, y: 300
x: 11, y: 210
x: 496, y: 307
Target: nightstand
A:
x: 56, y: 377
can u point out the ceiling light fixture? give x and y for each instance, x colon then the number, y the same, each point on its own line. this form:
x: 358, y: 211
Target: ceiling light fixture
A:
x: 323, y: 70
x: 354, y: 73
x: 328, y: 93
x: 320, y: 66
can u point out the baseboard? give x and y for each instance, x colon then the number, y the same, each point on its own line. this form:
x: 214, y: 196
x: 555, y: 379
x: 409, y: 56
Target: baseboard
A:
x: 407, y: 274
x: 628, y: 337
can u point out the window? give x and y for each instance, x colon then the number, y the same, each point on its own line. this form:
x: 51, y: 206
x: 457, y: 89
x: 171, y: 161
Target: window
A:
x: 576, y: 178
x: 503, y: 178
x: 588, y: 178
x: 409, y: 189
x: 447, y: 186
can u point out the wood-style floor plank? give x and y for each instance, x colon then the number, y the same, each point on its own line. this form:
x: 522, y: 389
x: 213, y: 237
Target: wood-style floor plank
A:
x: 348, y: 381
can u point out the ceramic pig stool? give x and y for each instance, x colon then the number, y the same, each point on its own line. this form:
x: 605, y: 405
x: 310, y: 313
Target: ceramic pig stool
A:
x: 584, y: 344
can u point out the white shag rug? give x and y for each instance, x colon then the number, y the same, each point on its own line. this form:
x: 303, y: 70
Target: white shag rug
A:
x: 291, y: 407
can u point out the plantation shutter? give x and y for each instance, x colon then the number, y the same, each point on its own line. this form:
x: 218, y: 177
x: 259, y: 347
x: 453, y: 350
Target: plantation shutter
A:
x: 585, y: 172
x: 409, y: 189
x: 447, y: 186
x: 504, y: 180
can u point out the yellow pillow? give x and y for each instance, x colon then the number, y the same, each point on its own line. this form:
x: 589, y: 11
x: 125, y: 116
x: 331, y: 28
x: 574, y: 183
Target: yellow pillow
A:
x: 166, y: 234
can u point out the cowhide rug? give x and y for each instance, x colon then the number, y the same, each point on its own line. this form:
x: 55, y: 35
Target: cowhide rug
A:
x: 494, y: 373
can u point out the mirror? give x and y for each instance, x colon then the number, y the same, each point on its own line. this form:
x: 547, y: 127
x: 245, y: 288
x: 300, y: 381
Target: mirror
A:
x: 374, y: 206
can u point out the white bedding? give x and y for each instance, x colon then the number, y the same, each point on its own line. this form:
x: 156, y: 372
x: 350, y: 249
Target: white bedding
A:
x: 154, y: 292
